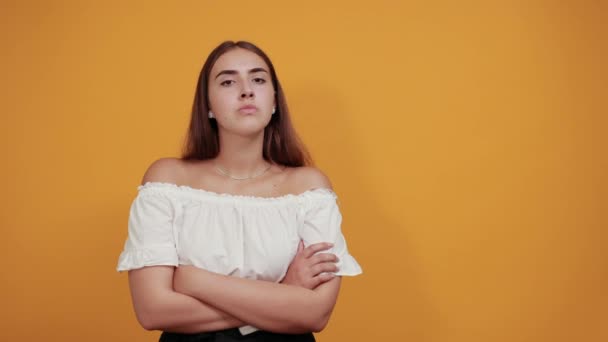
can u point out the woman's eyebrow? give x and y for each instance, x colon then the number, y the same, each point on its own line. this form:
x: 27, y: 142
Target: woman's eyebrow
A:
x: 234, y: 72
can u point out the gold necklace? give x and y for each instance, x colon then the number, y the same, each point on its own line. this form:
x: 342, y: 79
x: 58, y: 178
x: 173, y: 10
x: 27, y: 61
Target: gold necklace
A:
x: 238, y: 178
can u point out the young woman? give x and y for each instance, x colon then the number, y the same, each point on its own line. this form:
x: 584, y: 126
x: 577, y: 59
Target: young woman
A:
x: 239, y: 239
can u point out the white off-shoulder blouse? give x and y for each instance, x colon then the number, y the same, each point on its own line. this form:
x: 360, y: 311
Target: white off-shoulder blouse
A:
x: 244, y: 236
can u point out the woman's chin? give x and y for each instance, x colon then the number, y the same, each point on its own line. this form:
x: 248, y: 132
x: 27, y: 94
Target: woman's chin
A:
x: 247, y: 126
x: 247, y: 130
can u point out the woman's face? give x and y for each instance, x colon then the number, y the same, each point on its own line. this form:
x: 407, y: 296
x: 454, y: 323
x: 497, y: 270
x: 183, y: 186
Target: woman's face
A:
x: 240, y: 78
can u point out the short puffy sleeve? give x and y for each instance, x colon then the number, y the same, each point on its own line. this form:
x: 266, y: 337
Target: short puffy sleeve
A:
x: 321, y: 222
x: 151, y: 237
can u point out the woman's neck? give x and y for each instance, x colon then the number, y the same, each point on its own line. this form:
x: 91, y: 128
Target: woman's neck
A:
x: 241, y: 156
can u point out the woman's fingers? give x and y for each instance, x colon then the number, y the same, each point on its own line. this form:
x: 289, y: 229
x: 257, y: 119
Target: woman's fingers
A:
x: 323, y: 257
x: 317, y: 247
x: 319, y: 267
x: 322, y: 278
x: 324, y: 267
x: 308, y: 264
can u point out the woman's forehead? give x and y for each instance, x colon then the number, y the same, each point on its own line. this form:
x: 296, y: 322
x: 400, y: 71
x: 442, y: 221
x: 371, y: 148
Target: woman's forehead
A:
x: 238, y: 59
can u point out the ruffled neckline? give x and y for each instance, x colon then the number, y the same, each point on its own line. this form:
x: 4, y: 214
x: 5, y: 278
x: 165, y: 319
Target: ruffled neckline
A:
x: 208, y: 193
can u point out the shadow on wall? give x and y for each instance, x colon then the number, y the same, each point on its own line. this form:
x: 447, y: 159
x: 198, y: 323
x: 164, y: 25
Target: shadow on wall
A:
x: 388, y: 299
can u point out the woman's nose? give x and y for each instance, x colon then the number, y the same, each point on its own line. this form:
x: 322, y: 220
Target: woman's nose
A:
x: 246, y: 93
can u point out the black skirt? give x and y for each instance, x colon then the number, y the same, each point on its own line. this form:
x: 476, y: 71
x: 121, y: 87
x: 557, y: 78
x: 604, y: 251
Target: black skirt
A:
x: 234, y: 334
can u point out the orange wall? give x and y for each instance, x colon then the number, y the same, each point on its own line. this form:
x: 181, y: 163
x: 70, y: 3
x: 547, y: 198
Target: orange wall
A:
x: 467, y: 142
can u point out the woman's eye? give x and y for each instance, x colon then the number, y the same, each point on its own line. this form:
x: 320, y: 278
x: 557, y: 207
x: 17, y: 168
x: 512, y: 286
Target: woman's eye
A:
x: 259, y: 80
x: 226, y: 82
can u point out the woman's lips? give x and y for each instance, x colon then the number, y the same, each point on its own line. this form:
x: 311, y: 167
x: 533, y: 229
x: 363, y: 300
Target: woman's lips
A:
x: 248, y: 109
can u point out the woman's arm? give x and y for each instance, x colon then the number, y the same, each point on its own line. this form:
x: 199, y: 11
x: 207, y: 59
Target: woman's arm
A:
x: 265, y: 305
x: 158, y: 307
x: 156, y: 304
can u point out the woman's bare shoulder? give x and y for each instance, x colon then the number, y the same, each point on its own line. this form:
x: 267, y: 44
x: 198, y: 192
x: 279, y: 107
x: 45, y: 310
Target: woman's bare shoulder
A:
x: 168, y: 170
x: 305, y: 178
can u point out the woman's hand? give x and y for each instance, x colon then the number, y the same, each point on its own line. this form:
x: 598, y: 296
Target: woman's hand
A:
x: 307, y: 268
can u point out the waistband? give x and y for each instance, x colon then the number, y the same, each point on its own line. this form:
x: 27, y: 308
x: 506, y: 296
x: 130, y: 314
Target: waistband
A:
x: 234, y: 334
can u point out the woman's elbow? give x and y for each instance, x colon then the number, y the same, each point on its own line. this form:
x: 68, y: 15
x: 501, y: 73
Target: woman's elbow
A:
x: 302, y: 324
x: 327, y: 294
x: 146, y: 320
x: 149, y: 317
x: 148, y: 326
x: 319, y: 324
x: 316, y: 320
x: 319, y: 320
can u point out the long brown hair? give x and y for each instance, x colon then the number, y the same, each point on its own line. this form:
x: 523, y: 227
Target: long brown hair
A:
x: 281, y: 143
